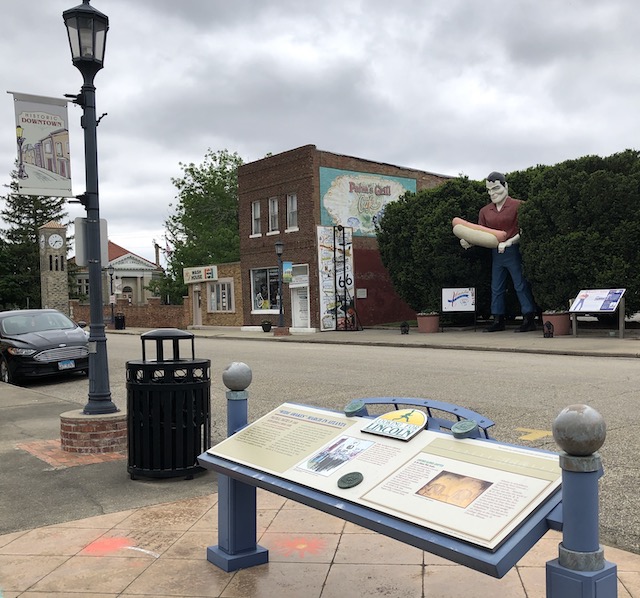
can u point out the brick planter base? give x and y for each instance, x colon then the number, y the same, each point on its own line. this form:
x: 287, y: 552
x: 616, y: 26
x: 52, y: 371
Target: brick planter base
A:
x: 284, y: 331
x: 81, y: 433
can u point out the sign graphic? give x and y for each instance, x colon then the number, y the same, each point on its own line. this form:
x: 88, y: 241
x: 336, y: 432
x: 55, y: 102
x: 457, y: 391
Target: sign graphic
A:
x: 593, y: 300
x: 462, y: 299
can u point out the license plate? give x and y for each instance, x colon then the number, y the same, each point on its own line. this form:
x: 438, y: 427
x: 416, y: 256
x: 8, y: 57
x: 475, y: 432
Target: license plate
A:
x: 67, y: 364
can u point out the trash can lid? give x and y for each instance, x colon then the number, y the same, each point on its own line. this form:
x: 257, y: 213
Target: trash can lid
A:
x: 168, y: 333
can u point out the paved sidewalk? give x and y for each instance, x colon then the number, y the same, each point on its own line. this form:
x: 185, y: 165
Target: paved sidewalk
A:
x: 160, y: 550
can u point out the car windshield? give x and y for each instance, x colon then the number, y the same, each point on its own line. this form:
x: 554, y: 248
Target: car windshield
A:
x: 24, y: 324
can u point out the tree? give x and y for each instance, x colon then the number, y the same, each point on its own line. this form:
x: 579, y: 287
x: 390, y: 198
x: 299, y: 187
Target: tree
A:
x: 580, y: 223
x: 204, y: 228
x: 421, y: 253
x: 582, y: 228
x: 19, y: 258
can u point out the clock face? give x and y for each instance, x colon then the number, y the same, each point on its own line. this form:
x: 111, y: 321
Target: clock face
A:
x: 56, y: 241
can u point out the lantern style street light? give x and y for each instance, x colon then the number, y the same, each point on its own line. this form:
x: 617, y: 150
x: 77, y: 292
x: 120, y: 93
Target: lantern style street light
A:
x: 87, y: 30
x: 279, y: 251
x: 20, y: 139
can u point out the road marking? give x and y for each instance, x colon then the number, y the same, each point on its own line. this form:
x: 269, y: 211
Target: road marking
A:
x: 533, y: 434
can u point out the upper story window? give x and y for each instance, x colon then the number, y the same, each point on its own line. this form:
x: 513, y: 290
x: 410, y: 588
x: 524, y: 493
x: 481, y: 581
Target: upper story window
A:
x: 273, y: 214
x: 292, y: 211
x: 256, y: 226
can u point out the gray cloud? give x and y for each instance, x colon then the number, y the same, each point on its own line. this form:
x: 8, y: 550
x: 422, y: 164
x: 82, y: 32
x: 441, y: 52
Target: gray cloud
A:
x: 449, y: 86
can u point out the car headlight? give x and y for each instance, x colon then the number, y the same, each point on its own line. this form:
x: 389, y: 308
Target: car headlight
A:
x: 21, y: 352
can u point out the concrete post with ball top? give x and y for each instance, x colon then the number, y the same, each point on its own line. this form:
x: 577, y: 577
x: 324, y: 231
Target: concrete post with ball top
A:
x: 580, y: 570
x: 237, y: 515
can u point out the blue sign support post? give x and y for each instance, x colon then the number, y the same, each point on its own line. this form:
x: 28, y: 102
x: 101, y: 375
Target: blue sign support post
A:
x: 237, y: 513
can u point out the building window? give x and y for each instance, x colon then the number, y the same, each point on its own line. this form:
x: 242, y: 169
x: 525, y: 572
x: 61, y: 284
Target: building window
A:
x: 83, y: 287
x: 264, y: 289
x: 292, y: 211
x: 221, y: 295
x: 273, y: 215
x: 256, y: 227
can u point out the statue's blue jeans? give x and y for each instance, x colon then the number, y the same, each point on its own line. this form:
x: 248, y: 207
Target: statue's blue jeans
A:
x: 502, y: 265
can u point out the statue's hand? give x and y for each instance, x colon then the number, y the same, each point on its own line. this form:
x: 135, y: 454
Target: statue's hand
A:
x: 465, y: 244
x: 503, y: 246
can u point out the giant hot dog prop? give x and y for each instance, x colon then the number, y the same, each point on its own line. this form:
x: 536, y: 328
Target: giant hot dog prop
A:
x: 475, y: 234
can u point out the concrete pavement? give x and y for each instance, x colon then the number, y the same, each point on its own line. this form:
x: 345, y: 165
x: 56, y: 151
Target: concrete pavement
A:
x: 76, y: 523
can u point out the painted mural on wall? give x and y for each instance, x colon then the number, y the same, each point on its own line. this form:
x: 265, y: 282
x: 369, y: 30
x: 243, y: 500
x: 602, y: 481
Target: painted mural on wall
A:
x: 355, y: 199
x: 335, y: 269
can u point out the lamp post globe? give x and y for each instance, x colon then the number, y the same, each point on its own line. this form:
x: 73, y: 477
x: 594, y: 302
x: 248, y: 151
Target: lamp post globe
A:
x: 87, y: 31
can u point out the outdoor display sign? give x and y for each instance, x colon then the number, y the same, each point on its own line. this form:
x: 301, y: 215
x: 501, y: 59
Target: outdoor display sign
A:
x: 473, y: 490
x: 199, y: 274
x: 42, y: 138
x: 459, y: 299
x: 597, y: 300
x: 335, y: 272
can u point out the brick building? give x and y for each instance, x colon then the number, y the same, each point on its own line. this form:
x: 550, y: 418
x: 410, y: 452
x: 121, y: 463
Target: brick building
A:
x: 322, y: 206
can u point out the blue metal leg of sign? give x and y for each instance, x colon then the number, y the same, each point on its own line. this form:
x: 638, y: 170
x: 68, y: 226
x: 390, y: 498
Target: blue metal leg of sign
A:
x: 237, y: 514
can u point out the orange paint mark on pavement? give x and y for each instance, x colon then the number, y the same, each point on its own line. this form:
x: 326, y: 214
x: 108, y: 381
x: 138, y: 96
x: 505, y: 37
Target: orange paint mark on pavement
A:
x: 104, y: 546
x: 301, y: 546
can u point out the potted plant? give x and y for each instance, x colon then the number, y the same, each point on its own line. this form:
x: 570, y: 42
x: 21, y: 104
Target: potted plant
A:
x: 266, y: 325
x: 428, y: 321
x: 560, y: 319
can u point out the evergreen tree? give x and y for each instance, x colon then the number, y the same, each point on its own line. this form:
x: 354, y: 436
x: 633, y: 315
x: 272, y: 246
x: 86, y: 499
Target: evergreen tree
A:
x: 204, y: 228
x: 22, y: 215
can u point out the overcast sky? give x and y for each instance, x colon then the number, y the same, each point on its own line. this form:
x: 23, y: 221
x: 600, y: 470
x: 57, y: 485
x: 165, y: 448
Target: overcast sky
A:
x: 447, y: 86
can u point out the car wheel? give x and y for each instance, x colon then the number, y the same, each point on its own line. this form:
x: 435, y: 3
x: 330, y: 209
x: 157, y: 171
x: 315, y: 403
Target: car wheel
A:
x: 5, y: 372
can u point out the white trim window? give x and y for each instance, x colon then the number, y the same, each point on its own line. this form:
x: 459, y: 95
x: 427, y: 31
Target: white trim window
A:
x: 256, y: 225
x: 273, y: 215
x: 221, y: 296
x: 292, y: 211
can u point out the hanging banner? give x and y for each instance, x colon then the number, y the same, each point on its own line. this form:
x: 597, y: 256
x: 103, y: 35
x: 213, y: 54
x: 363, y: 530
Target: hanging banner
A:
x: 42, y: 138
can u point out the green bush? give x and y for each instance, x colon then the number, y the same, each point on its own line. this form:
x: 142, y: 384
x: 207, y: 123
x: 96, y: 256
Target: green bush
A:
x: 580, y: 229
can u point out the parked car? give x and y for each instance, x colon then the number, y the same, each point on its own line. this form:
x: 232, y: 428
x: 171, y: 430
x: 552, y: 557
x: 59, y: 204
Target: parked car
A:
x: 41, y: 342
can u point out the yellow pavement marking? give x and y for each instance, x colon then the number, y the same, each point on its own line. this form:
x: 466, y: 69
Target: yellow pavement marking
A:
x: 533, y: 434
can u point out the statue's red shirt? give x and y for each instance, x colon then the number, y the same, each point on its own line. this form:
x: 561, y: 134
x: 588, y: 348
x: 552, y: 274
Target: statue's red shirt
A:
x: 506, y: 219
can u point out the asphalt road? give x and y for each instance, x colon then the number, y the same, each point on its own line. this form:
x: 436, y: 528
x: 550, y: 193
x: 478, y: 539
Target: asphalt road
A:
x: 522, y: 393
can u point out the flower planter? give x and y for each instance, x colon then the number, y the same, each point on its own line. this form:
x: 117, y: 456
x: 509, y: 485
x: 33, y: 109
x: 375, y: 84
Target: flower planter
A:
x: 266, y: 326
x: 561, y: 322
x: 428, y: 323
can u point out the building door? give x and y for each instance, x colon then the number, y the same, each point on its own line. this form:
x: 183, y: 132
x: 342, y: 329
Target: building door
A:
x: 300, y: 307
x: 197, y: 313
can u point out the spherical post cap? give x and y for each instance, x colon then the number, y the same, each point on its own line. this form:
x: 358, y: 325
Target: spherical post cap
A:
x: 579, y: 430
x: 237, y: 376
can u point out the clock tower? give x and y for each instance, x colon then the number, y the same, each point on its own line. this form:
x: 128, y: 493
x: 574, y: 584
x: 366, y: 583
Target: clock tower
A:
x: 54, y: 284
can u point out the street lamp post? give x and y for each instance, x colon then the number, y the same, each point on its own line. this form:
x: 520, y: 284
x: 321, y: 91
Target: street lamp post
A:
x: 110, y: 271
x: 87, y: 31
x: 20, y: 139
x: 279, y: 250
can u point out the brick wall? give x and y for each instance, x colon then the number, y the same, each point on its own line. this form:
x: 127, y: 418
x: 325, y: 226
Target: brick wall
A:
x: 152, y: 315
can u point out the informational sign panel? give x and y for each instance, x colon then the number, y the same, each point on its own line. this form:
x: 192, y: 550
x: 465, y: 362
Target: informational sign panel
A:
x: 597, y: 300
x: 459, y: 299
x: 473, y: 490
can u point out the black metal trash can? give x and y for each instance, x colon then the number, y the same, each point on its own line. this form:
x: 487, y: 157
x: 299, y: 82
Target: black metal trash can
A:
x: 119, y: 321
x: 168, y: 409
